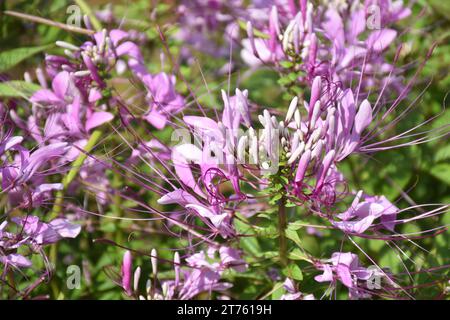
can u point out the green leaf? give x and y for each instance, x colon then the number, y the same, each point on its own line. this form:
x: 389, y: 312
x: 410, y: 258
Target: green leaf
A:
x: 277, y: 291
x: 293, y: 235
x: 297, y: 225
x: 441, y: 7
x: 249, y: 244
x: 442, y: 172
x: 293, y: 271
x: 287, y: 64
x: 256, y: 32
x: 270, y: 232
x: 88, y: 11
x: 11, y: 58
x: 442, y: 154
x: 17, y: 89
x: 297, y: 254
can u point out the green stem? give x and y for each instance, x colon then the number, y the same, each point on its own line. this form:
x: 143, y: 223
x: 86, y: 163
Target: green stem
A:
x: 355, y: 175
x: 282, y: 224
x: 87, y: 10
x: 117, y: 208
x: 57, y: 206
x: 76, y: 165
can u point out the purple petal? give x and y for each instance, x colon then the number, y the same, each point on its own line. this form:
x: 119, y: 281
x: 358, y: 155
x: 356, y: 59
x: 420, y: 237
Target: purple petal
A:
x: 302, y: 166
x: 16, y: 260
x: 344, y: 275
x: 178, y: 196
x: 65, y: 228
x: 40, y: 157
x: 363, y: 117
x: 45, y: 96
x: 60, y: 84
x: 357, y: 226
x: 327, y: 275
x: 126, y: 272
x: 181, y: 156
x: 380, y: 39
x: 156, y: 119
x: 98, y: 118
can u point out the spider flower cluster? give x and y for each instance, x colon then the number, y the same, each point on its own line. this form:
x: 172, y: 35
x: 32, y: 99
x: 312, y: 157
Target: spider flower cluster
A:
x: 232, y: 174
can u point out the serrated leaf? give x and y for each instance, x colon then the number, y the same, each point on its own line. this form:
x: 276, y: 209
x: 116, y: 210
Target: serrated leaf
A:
x: 17, y: 89
x: 11, y: 58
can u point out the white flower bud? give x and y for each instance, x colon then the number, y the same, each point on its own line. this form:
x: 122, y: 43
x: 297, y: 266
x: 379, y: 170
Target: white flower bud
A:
x: 292, y: 108
x: 296, y: 153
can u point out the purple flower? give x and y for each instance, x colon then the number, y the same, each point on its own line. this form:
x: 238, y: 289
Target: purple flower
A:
x: 361, y: 214
x: 292, y: 293
x: 15, y: 260
x: 345, y: 268
x: 42, y: 233
x: 163, y: 99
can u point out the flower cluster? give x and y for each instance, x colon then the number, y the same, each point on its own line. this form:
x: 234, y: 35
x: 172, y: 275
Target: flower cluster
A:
x: 236, y: 181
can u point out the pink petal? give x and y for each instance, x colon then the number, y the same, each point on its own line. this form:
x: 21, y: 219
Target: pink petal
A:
x: 16, y: 260
x: 380, y: 39
x: 181, y: 156
x: 97, y: 119
x: 178, y: 196
x: 201, y: 123
x: 65, y: 228
x: 44, y: 96
x: 302, y: 165
x: 357, y: 226
x: 60, y: 84
x: 327, y: 275
x: 156, y: 119
x: 363, y: 117
x: 344, y: 275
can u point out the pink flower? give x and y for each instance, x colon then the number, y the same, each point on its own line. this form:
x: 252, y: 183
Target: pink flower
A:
x: 361, y: 214
x: 43, y: 233
x: 163, y: 99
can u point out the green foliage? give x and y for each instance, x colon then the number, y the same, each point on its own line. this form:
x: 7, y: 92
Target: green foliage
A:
x: 17, y: 89
x: 422, y: 172
x: 11, y: 58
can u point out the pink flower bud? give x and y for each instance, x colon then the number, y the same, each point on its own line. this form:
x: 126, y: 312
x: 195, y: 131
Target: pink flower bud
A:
x: 127, y: 272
